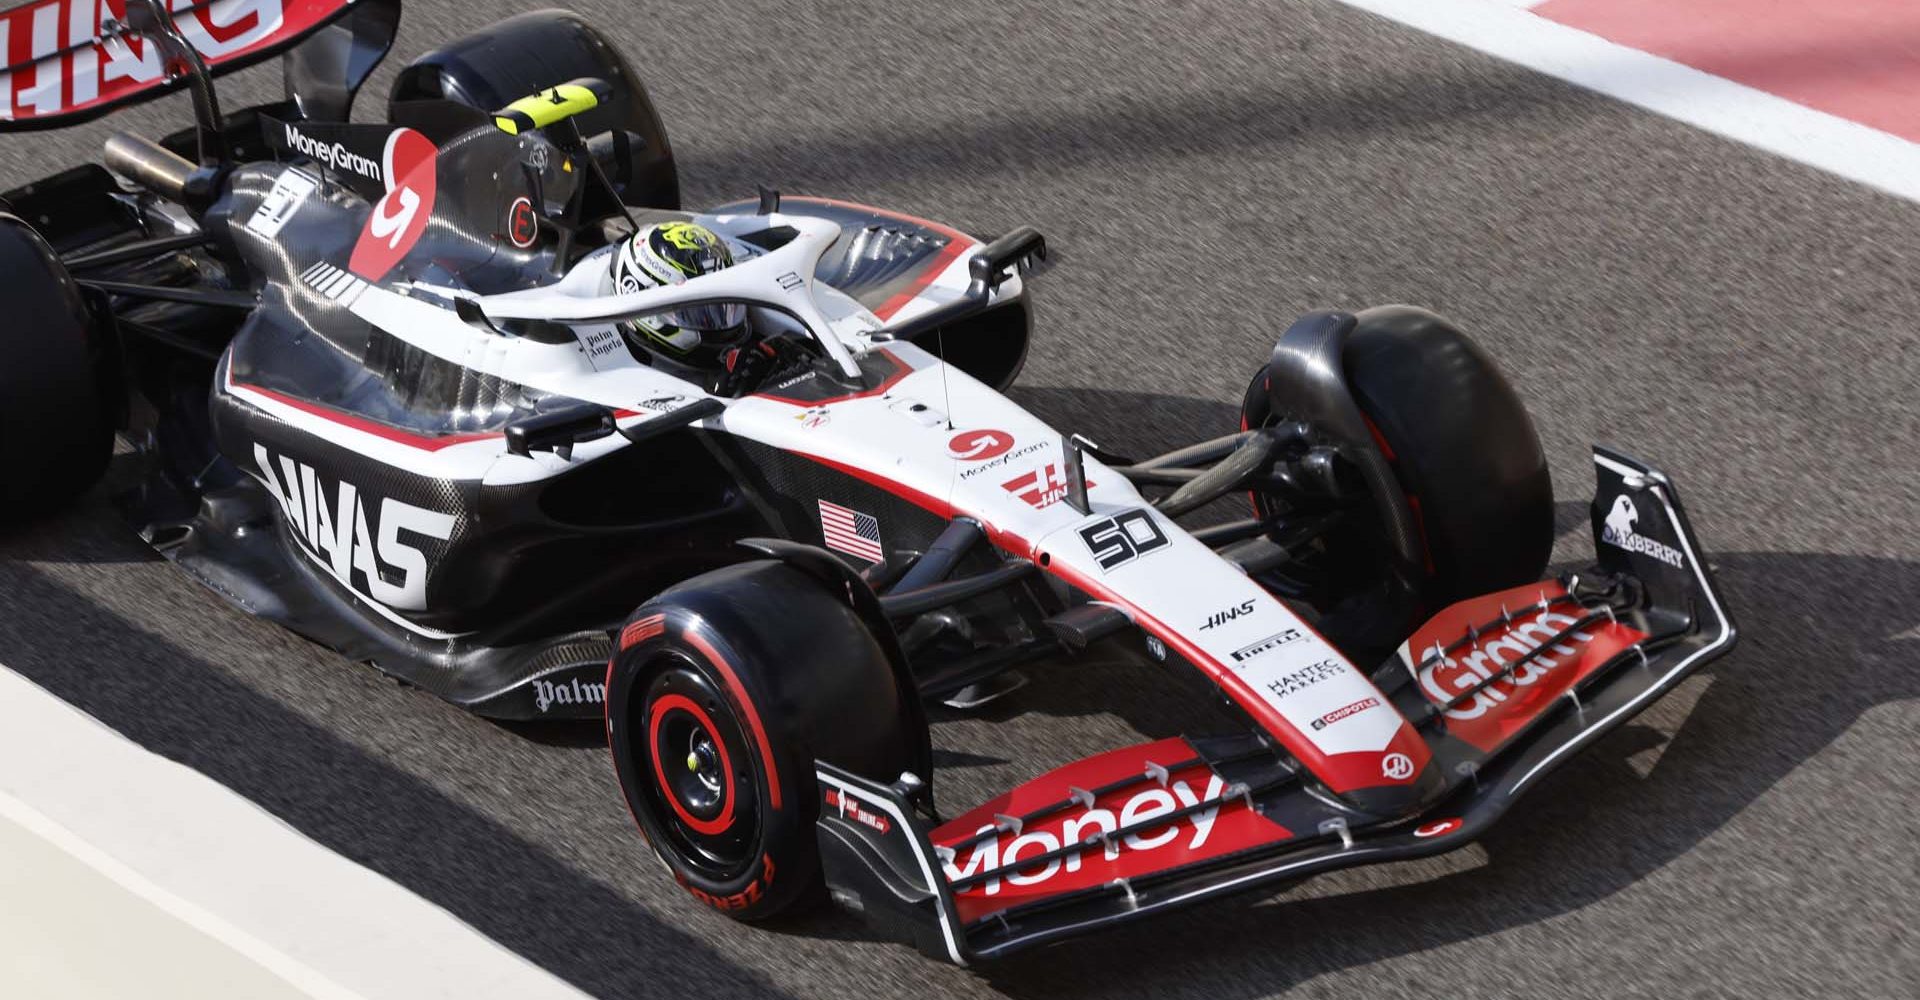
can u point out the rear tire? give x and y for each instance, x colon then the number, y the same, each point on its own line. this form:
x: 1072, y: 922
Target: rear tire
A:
x: 1460, y: 443
x: 55, y: 434
x: 527, y: 53
x: 724, y: 693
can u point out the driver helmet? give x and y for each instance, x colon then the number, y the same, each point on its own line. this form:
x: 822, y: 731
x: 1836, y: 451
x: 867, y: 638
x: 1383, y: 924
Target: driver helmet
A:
x: 668, y: 253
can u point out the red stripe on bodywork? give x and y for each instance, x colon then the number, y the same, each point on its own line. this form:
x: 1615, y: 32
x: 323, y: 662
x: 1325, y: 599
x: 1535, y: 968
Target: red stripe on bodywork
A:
x: 422, y: 442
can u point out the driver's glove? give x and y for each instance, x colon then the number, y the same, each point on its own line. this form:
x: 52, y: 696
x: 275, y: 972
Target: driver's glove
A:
x: 747, y: 367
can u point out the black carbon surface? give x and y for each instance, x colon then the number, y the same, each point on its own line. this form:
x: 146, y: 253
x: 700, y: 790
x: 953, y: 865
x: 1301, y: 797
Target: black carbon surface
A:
x: 1205, y: 171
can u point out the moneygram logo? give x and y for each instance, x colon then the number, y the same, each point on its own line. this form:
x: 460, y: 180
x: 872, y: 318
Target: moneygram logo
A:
x: 1094, y: 827
x: 1453, y: 675
x: 334, y: 155
x: 976, y: 446
x: 998, y: 460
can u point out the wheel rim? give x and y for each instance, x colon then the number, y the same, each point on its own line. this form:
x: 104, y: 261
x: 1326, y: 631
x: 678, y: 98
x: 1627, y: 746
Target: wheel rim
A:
x: 702, y: 791
x: 1319, y: 576
x: 691, y: 766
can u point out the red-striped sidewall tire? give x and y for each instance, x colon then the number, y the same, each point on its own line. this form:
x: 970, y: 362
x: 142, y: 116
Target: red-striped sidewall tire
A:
x: 778, y: 673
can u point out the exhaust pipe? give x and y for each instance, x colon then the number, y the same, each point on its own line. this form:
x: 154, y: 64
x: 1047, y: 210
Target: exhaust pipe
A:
x: 150, y: 165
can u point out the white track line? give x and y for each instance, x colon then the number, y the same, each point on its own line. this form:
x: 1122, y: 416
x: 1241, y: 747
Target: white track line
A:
x: 1775, y: 124
x: 218, y: 870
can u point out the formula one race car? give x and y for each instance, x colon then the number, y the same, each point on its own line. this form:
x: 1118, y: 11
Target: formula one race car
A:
x: 383, y: 391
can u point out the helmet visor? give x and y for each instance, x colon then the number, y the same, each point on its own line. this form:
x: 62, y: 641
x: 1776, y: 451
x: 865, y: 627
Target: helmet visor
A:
x: 708, y: 318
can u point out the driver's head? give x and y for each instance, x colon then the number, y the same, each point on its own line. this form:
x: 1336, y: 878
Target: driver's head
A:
x: 668, y: 253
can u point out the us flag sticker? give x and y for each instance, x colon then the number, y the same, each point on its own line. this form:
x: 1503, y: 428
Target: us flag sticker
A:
x: 850, y: 531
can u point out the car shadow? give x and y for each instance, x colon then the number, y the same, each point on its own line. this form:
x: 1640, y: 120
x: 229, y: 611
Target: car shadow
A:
x: 1824, y: 641
x: 548, y: 904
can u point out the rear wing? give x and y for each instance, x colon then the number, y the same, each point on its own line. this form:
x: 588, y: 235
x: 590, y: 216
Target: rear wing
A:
x: 68, y: 61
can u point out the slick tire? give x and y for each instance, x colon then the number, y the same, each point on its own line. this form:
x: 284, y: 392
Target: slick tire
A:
x: 55, y: 433
x: 723, y: 693
x: 526, y: 53
x: 1460, y: 443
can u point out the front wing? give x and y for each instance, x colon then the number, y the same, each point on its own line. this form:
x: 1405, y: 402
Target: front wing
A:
x: 1160, y: 826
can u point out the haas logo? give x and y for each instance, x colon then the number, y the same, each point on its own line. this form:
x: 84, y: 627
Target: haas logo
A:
x: 354, y: 535
x: 400, y: 216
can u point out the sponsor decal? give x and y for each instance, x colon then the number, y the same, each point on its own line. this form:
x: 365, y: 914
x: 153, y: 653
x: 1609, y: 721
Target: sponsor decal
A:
x: 1118, y: 540
x: 1499, y: 709
x: 664, y: 403
x: 642, y: 630
x: 1000, y: 460
x: 1461, y: 672
x: 1296, y: 681
x: 814, y: 417
x: 1617, y: 530
x: 599, y: 344
x: 975, y: 446
x: 1040, y: 488
x: 547, y: 694
x: 1396, y: 767
x: 849, y: 531
x: 1345, y: 710
x: 523, y: 224
x: 332, y: 155
x: 56, y: 71
x: 1223, y: 617
x: 745, y: 897
x: 1438, y: 827
x: 333, y: 283
x: 407, y: 166
x: 290, y: 191
x: 1270, y: 643
x: 1212, y: 828
x: 850, y: 808
x: 354, y: 535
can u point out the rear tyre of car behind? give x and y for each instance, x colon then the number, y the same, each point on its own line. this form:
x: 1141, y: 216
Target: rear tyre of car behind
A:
x: 527, y: 53
x: 55, y: 434
x: 723, y: 693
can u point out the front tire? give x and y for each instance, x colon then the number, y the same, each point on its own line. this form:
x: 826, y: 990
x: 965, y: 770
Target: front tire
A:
x: 724, y: 693
x: 1460, y: 444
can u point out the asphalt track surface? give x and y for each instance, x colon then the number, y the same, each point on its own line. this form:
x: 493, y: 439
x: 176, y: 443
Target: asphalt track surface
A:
x: 1208, y: 170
